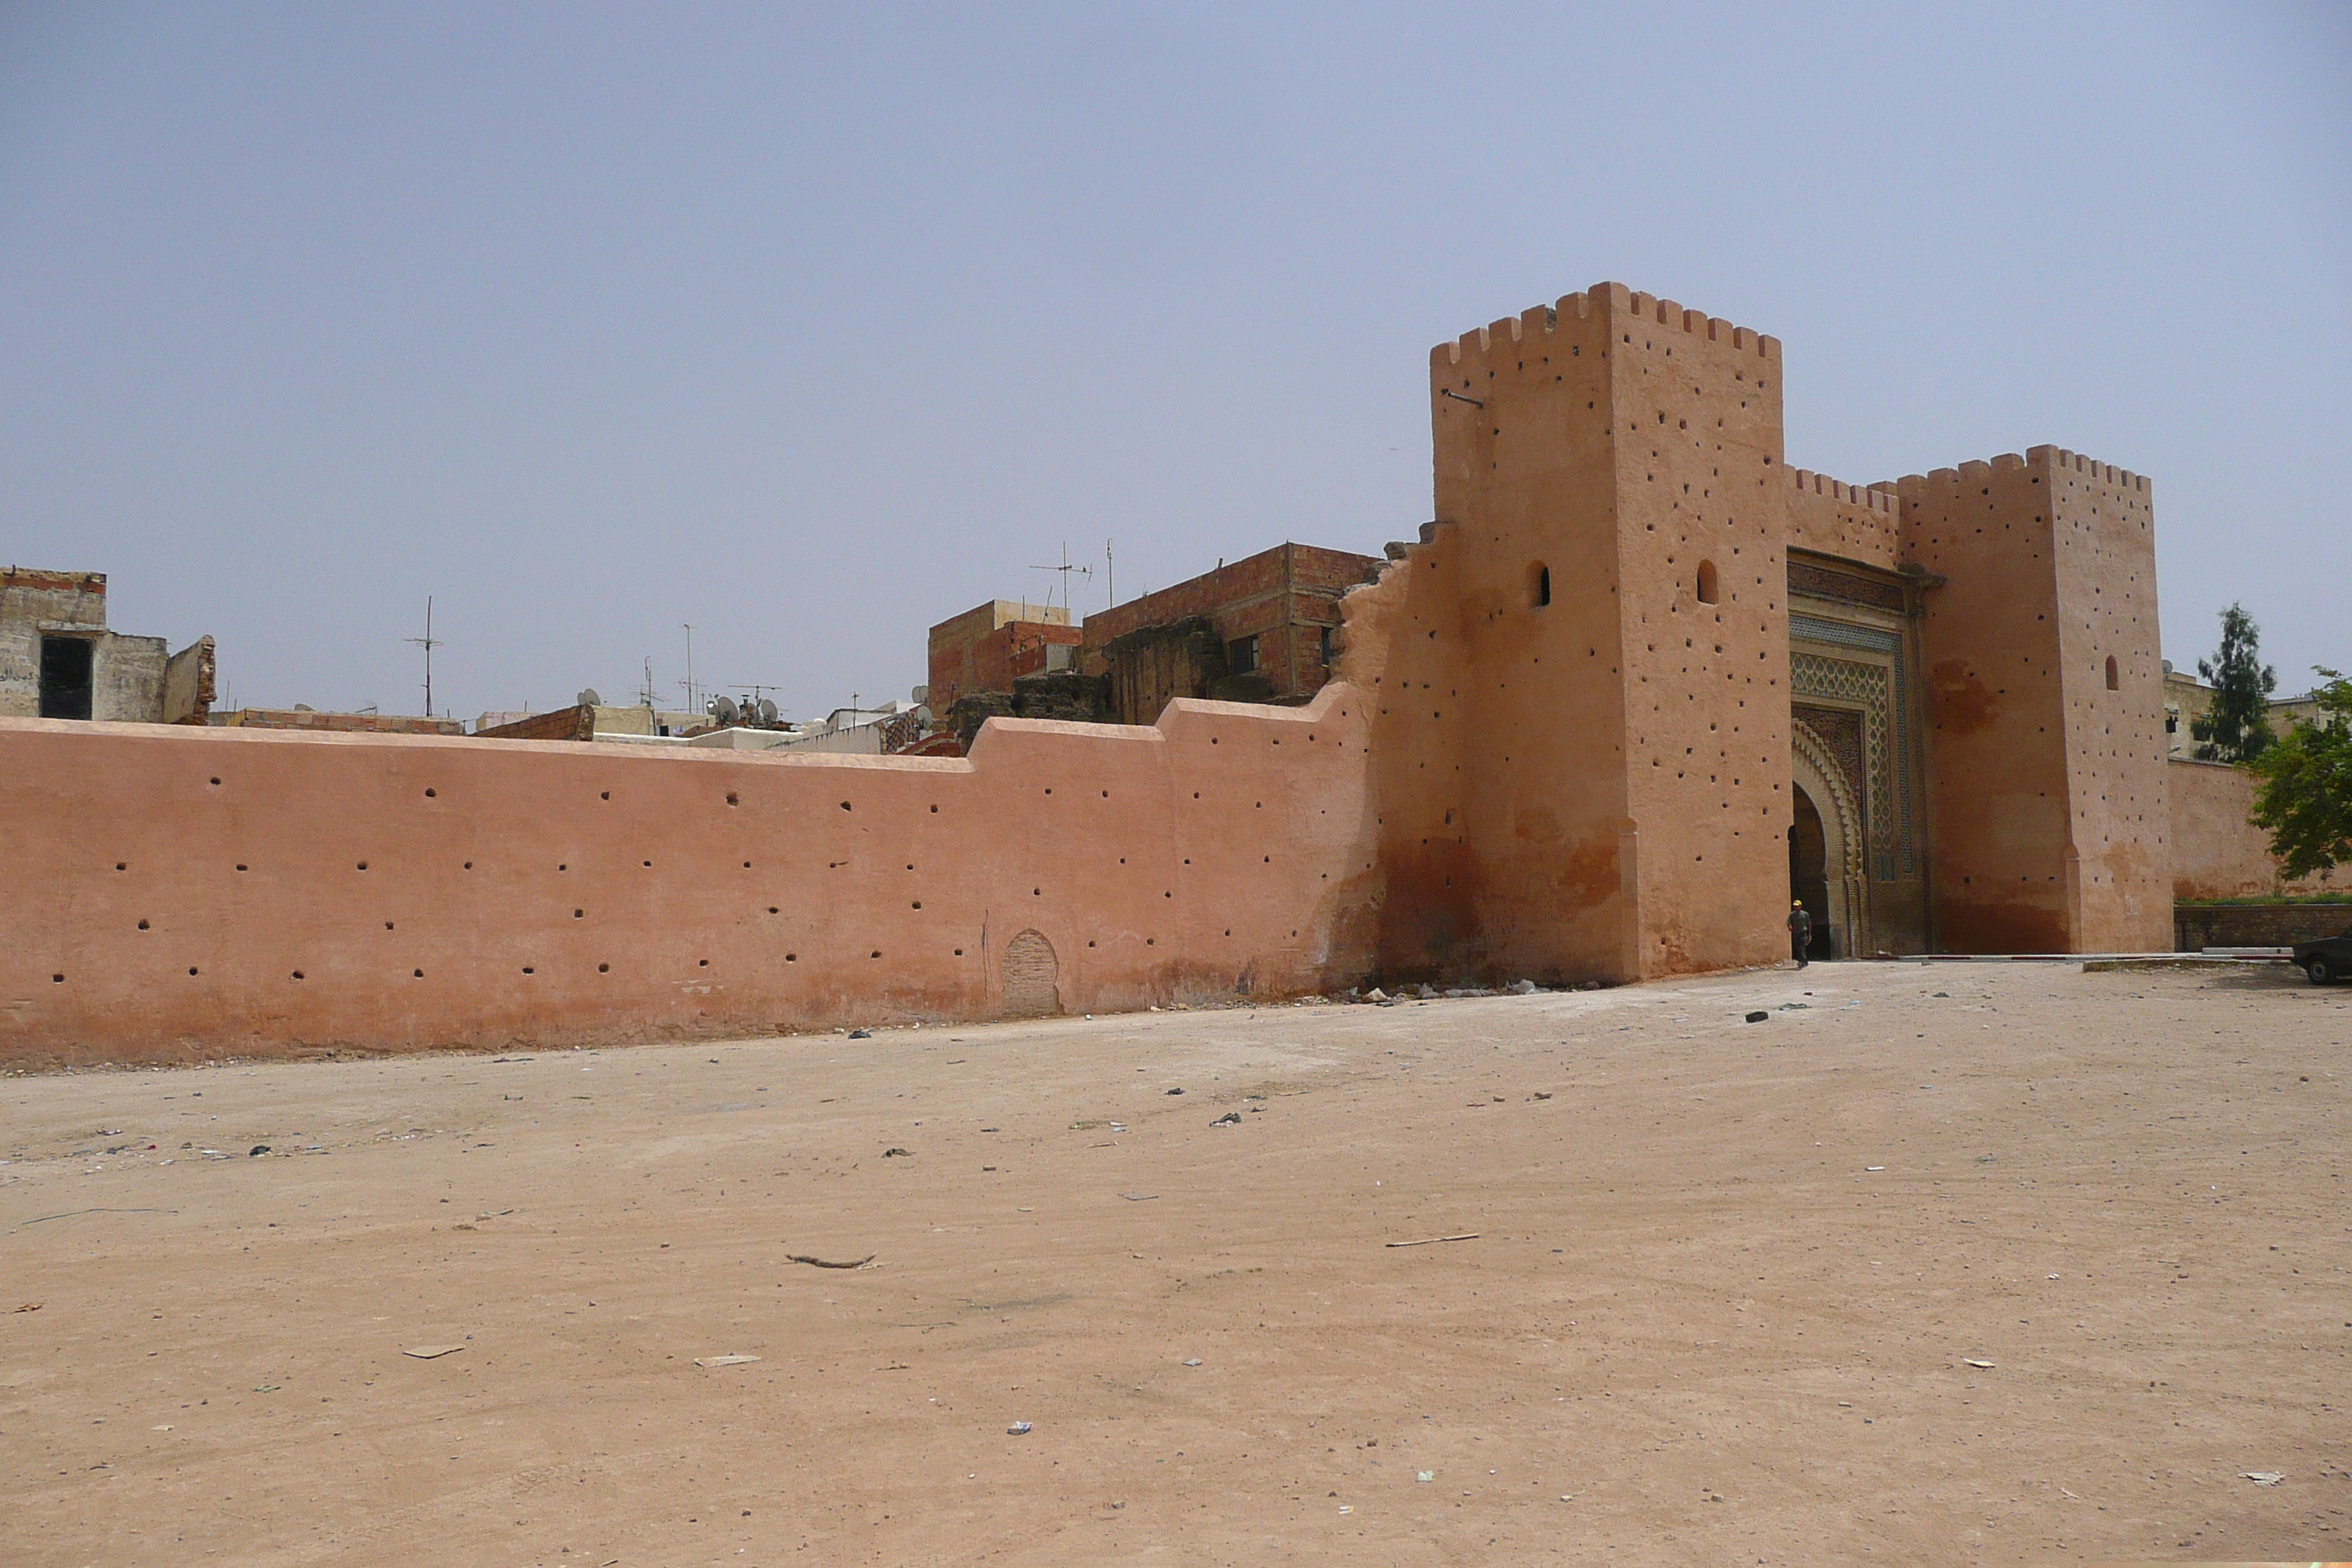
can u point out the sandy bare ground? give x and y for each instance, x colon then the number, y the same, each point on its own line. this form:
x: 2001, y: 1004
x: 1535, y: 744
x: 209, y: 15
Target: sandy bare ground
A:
x: 1698, y: 1321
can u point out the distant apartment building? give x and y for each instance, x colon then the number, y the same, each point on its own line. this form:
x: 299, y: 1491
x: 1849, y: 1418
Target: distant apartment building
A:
x: 2188, y: 699
x: 58, y: 661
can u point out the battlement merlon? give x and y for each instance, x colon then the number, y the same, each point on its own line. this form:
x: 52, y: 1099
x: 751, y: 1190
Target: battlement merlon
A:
x: 1614, y: 299
x: 1879, y: 497
x: 2055, y: 457
x: 2106, y: 473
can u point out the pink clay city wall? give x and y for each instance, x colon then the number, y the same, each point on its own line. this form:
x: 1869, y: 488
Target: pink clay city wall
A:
x: 1558, y: 748
x: 2216, y: 852
x: 182, y: 893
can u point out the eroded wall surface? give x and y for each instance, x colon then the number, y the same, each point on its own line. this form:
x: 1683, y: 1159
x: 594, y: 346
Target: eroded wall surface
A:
x: 180, y: 893
x: 127, y: 676
x: 188, y: 686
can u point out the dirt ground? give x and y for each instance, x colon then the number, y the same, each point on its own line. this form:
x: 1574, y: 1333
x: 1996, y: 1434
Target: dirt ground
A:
x: 1729, y: 1299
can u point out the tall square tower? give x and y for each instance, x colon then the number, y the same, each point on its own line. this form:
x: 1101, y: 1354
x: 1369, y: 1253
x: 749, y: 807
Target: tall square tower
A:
x: 1582, y: 700
x: 2046, y: 750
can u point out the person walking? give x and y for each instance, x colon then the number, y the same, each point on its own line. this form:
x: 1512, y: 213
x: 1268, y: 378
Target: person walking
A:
x: 1800, y: 932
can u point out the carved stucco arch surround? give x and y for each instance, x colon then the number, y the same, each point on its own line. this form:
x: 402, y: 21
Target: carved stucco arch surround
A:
x: 1816, y: 772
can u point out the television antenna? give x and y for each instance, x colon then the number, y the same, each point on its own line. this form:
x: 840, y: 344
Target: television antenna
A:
x: 691, y: 705
x: 757, y: 700
x: 1063, y: 571
x: 428, y: 642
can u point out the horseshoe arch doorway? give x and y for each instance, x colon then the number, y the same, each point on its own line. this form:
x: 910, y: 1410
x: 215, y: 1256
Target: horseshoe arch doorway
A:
x: 1825, y: 857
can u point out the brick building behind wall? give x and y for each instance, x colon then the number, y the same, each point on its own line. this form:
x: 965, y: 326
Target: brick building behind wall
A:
x: 1266, y: 628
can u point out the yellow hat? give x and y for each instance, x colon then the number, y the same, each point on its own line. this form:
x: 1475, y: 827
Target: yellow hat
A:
x: 1796, y: 903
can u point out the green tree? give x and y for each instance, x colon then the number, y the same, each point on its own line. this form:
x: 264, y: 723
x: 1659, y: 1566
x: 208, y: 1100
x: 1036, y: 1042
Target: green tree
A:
x: 2236, y: 728
x: 2305, y: 796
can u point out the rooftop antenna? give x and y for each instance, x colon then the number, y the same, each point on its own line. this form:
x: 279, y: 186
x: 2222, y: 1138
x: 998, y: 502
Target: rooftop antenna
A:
x: 757, y: 689
x: 1111, y: 578
x: 647, y: 691
x: 1063, y: 571
x: 428, y: 642
x: 691, y: 706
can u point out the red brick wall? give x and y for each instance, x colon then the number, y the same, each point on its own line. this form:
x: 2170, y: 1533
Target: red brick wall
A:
x: 38, y: 580
x: 564, y: 724
x: 968, y: 655
x: 1282, y: 596
x: 340, y: 723
x: 1221, y: 596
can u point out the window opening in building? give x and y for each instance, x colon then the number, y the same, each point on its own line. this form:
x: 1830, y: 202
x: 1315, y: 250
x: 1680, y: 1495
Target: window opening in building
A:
x: 1539, y: 585
x: 1241, y: 655
x: 65, y: 678
x: 2113, y: 684
x: 1707, y: 594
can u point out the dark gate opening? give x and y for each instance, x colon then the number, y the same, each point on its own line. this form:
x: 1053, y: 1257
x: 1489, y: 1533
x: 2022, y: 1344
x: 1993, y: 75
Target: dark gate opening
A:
x: 1809, y: 878
x: 65, y: 678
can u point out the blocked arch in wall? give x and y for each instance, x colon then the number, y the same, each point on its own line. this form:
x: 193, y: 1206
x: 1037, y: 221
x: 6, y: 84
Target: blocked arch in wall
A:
x: 1033, y: 976
x: 1815, y: 771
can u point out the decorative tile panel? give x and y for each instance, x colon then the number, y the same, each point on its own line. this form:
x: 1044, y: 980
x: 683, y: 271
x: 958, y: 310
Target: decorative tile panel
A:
x: 1839, y: 732
x: 1851, y: 680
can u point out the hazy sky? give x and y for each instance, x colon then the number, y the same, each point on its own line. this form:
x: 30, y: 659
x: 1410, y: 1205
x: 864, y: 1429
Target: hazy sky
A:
x: 814, y: 325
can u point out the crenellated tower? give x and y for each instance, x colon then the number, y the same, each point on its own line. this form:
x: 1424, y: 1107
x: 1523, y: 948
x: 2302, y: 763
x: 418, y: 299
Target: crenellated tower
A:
x: 2045, y: 696
x: 1582, y: 670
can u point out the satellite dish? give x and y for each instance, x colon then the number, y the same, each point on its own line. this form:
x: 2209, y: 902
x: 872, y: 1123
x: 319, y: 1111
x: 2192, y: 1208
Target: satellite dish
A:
x: 588, y: 699
x: 725, y: 709
x: 767, y: 709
